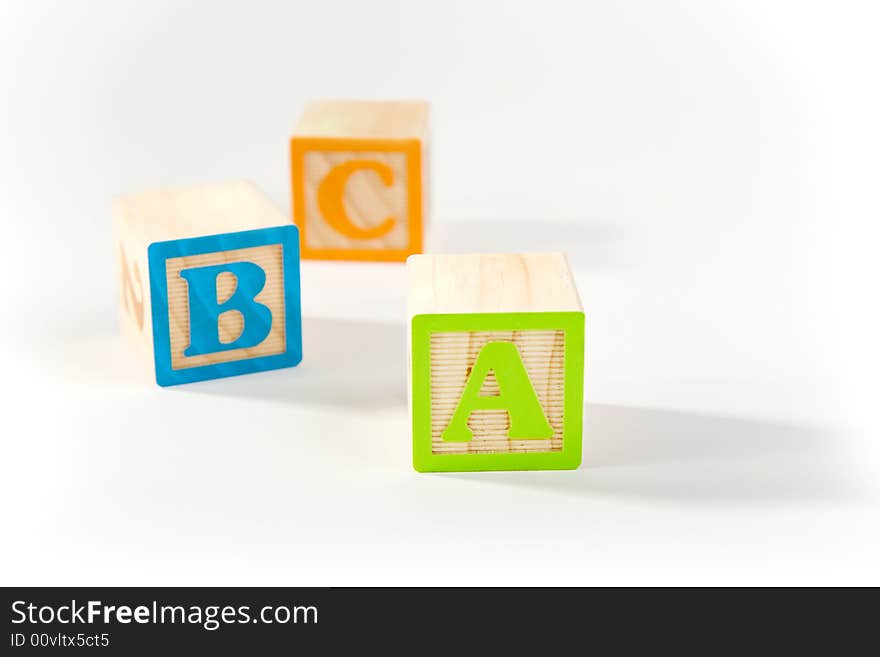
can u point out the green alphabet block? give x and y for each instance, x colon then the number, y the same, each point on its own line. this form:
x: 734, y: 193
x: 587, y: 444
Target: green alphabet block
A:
x: 496, y: 390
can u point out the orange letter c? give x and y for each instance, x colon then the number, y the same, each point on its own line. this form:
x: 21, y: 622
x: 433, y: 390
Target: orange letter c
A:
x: 332, y: 190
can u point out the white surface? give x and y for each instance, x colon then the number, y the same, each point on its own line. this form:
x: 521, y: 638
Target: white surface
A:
x: 709, y: 168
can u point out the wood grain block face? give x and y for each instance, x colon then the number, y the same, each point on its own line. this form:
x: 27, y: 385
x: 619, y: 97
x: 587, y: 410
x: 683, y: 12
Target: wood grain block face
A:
x: 359, y: 179
x: 494, y: 389
x: 204, y: 305
x: 452, y: 358
x: 230, y: 325
x: 366, y: 199
x: 225, y: 304
x: 133, y: 275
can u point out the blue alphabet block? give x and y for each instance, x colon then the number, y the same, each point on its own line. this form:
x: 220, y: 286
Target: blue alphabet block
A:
x: 220, y: 304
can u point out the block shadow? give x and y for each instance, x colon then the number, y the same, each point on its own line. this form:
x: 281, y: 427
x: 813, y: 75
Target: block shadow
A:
x: 351, y: 363
x: 655, y: 455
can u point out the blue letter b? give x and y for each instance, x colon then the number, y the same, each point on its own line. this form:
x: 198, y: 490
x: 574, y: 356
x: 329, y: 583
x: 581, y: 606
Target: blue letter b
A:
x: 205, y: 311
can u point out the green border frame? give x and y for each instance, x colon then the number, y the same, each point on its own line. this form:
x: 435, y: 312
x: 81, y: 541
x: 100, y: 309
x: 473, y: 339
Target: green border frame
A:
x: 424, y: 460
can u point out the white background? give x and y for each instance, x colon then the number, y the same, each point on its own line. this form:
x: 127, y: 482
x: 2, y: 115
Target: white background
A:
x: 710, y: 168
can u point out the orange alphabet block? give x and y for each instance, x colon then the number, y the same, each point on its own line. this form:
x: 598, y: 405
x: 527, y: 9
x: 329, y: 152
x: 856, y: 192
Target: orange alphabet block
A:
x: 358, y: 174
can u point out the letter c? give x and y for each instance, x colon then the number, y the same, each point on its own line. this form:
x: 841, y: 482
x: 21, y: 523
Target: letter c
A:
x: 332, y: 190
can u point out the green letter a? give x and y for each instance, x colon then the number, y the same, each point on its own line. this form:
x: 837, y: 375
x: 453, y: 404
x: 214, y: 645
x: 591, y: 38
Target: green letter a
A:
x: 517, y: 396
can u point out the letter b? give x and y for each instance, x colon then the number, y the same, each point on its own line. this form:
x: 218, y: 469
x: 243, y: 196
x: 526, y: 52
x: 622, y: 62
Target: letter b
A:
x: 205, y: 309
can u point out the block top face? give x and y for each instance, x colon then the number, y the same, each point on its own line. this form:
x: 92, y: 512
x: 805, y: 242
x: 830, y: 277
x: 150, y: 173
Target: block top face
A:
x: 490, y: 283
x: 173, y: 214
x: 364, y: 119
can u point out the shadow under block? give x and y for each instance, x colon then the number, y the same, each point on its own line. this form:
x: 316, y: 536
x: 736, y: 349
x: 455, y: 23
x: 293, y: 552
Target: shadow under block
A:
x: 359, y: 179
x: 496, y: 346
x: 209, y: 281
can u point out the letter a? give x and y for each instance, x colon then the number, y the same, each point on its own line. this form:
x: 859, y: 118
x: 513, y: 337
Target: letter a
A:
x: 517, y: 396
x: 205, y: 310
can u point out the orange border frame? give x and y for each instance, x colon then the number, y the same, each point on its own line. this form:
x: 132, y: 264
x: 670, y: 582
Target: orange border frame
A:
x: 412, y: 148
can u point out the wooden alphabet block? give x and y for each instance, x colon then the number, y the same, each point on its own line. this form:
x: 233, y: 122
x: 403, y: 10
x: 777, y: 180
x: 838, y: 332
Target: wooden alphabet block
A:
x: 496, y: 346
x: 359, y: 181
x: 209, y: 281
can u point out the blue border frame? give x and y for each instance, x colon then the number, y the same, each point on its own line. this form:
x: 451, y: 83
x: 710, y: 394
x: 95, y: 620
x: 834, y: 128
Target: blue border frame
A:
x: 159, y: 252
